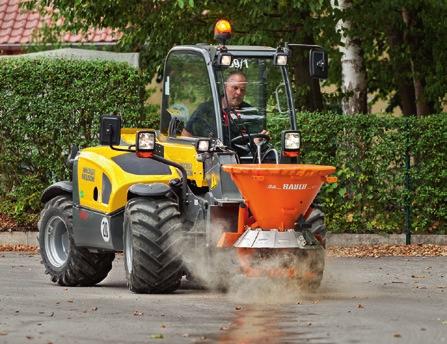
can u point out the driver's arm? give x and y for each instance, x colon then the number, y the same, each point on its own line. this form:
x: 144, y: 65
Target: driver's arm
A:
x: 259, y: 140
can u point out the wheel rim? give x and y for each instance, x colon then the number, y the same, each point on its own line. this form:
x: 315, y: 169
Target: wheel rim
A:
x: 128, y: 249
x: 57, y: 243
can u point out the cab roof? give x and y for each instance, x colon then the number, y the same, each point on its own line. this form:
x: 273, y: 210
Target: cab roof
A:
x: 236, y: 50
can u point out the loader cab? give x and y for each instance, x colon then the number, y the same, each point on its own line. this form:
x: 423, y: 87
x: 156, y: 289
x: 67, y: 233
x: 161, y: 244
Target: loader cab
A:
x: 198, y: 99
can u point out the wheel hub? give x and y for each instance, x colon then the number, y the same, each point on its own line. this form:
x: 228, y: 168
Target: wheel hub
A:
x: 57, y: 242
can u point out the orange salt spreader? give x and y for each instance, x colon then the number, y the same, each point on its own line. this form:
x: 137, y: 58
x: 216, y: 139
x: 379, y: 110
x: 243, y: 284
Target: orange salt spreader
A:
x: 275, y: 197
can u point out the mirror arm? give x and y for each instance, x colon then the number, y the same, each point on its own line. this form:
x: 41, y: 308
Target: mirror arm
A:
x: 110, y: 130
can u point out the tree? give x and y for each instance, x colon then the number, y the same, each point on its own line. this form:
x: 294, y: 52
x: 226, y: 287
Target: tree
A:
x: 354, y: 84
x: 404, y: 44
x: 153, y: 27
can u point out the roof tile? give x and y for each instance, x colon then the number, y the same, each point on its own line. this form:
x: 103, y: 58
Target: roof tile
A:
x: 17, y: 27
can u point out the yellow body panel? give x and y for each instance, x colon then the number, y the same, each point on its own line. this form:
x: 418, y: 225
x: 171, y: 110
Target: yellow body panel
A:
x: 128, y: 134
x: 182, y: 153
x: 186, y: 156
x: 95, y: 161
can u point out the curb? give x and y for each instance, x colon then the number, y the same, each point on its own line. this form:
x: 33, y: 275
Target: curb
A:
x: 18, y: 238
x: 340, y: 240
x: 347, y: 240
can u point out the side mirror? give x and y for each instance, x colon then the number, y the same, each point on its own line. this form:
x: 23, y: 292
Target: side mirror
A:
x: 110, y: 132
x: 318, y: 66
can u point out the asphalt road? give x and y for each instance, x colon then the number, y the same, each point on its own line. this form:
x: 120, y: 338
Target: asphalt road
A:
x: 373, y: 300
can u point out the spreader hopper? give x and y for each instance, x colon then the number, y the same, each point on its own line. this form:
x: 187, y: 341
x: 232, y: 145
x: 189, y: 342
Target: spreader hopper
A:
x: 277, y: 195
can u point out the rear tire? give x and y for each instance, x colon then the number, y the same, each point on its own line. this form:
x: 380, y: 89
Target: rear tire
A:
x: 152, y: 239
x: 67, y: 264
x: 312, y: 260
x: 315, y: 224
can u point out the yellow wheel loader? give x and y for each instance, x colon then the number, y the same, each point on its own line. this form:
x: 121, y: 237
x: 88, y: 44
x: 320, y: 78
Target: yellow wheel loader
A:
x: 207, y: 180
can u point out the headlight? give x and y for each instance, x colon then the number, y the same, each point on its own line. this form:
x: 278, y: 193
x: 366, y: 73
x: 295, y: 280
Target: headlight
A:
x: 203, y: 146
x: 280, y: 59
x: 145, y: 144
x: 291, y: 140
x: 224, y: 59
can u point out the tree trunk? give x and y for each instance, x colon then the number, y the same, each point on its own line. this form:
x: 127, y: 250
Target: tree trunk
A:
x: 354, y: 85
x: 414, y: 43
x: 401, y: 68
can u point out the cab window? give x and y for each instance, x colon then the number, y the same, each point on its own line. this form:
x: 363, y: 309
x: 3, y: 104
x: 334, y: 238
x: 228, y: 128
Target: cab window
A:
x: 187, y: 98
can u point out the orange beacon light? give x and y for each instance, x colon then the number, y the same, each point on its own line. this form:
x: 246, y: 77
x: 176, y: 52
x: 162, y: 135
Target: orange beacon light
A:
x: 222, y: 31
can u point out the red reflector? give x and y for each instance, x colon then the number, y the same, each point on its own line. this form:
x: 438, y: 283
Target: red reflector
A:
x: 291, y: 154
x: 145, y: 154
x: 83, y: 215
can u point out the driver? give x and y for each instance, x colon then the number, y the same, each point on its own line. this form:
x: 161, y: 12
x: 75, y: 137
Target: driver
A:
x: 202, y: 121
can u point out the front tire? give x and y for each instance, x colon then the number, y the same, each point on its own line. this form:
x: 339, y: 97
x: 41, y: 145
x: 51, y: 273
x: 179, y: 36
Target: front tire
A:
x: 152, y: 245
x: 67, y: 264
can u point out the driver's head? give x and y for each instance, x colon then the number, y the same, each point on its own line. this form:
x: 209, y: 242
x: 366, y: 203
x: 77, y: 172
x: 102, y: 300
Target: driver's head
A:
x: 235, y: 88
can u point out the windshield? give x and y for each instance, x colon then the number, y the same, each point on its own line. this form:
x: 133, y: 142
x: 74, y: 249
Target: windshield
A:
x: 253, y: 91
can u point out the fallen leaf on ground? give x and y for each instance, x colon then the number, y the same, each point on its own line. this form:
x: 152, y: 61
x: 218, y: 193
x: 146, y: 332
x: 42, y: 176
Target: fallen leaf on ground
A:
x: 157, y: 336
x: 360, y: 251
x: 360, y: 306
x: 18, y: 248
x: 397, y: 335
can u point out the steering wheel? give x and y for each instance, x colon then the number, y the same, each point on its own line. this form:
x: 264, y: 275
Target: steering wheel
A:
x: 245, y: 138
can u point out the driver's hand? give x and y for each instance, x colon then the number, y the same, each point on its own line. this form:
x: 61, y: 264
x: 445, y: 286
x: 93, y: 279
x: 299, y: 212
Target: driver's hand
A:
x: 258, y: 141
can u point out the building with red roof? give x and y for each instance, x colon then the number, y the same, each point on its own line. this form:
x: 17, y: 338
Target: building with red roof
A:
x: 19, y: 29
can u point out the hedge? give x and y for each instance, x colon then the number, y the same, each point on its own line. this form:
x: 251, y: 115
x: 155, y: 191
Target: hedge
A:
x: 369, y: 153
x: 46, y: 105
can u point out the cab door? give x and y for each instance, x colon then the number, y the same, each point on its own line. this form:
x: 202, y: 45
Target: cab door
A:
x: 188, y: 97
